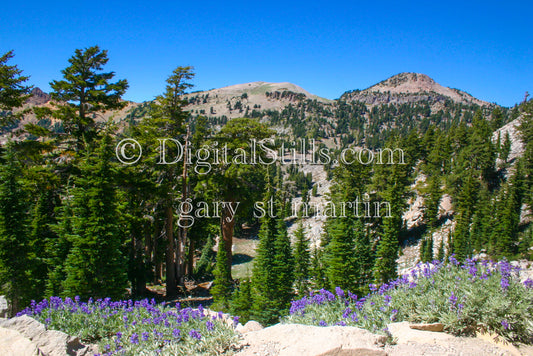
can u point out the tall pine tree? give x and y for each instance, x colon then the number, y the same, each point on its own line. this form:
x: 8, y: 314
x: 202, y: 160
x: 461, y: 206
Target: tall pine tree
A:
x: 96, y: 265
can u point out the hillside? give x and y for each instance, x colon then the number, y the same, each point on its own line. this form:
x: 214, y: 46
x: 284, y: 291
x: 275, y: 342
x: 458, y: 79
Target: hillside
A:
x: 409, y: 88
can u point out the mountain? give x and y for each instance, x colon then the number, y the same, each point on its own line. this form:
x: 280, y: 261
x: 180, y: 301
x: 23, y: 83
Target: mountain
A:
x: 409, y: 88
x: 38, y: 97
x: 241, y: 99
x: 399, y: 103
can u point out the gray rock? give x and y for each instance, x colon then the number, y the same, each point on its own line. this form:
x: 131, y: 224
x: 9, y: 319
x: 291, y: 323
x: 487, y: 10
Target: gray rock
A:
x: 48, y: 342
x: 294, y: 339
x: 13, y: 343
x: 4, y: 307
x: 354, y: 352
x: 436, y: 327
x: 249, y: 327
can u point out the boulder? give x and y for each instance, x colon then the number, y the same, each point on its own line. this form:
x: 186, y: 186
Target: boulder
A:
x: 4, y: 307
x: 294, y: 339
x: 435, y: 327
x: 14, y: 343
x: 404, y: 334
x: 48, y: 342
x: 354, y: 352
x: 249, y: 326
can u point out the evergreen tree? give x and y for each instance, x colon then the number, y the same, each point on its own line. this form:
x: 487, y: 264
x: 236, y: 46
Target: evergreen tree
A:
x: 14, y: 254
x: 265, y: 306
x: 461, y: 238
x: 526, y: 136
x: 96, y: 266
x: 426, y: 251
x: 58, y: 248
x: 85, y: 91
x: 222, y: 285
x: 301, y: 260
x: 363, y: 259
x: 241, y: 302
x: 42, y: 233
x: 432, y: 201
x: 204, y: 267
x: 340, y: 255
x: 505, y: 148
x: 387, y: 253
x: 167, y: 119
x: 318, y: 270
x: 283, y: 267
x: 505, y: 232
x: 441, y: 255
x: 13, y: 93
x: 236, y: 178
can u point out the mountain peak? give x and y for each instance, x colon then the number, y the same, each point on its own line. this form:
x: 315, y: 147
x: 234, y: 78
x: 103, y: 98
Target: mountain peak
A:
x: 38, y: 97
x: 416, y: 85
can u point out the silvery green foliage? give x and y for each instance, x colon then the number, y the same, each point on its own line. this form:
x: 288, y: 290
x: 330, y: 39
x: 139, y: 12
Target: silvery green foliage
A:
x: 137, y: 327
x: 475, y: 295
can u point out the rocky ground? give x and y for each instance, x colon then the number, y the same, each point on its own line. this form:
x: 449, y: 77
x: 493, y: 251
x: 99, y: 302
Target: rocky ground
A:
x: 293, y: 339
x: 24, y: 336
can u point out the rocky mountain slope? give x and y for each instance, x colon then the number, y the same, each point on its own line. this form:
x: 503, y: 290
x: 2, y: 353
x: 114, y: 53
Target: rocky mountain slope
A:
x: 409, y: 88
x: 241, y: 99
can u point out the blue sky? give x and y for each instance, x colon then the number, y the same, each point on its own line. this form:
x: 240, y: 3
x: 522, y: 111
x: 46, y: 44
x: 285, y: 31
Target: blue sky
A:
x: 484, y: 48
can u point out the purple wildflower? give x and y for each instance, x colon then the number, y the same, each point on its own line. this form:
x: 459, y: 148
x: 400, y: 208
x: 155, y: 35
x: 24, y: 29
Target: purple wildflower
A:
x: 195, y: 334
x: 505, y: 324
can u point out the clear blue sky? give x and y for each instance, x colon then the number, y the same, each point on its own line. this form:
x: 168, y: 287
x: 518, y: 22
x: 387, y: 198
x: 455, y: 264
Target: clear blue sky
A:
x: 484, y: 48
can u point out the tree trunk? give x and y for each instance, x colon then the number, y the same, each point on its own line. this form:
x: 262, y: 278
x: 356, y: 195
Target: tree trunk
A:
x: 182, y: 242
x: 228, y: 226
x: 171, y: 289
x: 141, y: 265
x: 190, y: 259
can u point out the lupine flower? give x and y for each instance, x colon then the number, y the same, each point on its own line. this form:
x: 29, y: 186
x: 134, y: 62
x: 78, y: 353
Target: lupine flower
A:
x: 176, y: 333
x: 505, y: 324
x: 145, y: 336
x: 195, y: 334
x: 339, y: 292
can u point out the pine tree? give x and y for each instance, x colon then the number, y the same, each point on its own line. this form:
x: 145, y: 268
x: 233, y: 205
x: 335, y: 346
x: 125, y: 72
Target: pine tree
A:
x: 58, y: 248
x: 461, y: 238
x: 301, y: 260
x: 42, y: 234
x: 505, y: 148
x: 222, y: 285
x: 241, y: 302
x: 85, y: 91
x: 387, y: 253
x: 14, y: 258
x: 318, y: 270
x: 204, y: 266
x: 13, y: 93
x: 283, y: 267
x: 363, y: 259
x: 167, y: 119
x: 432, y: 201
x: 340, y: 255
x: 423, y: 248
x: 265, y: 306
x: 441, y: 255
x: 428, y: 253
x: 505, y: 232
x: 96, y: 265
